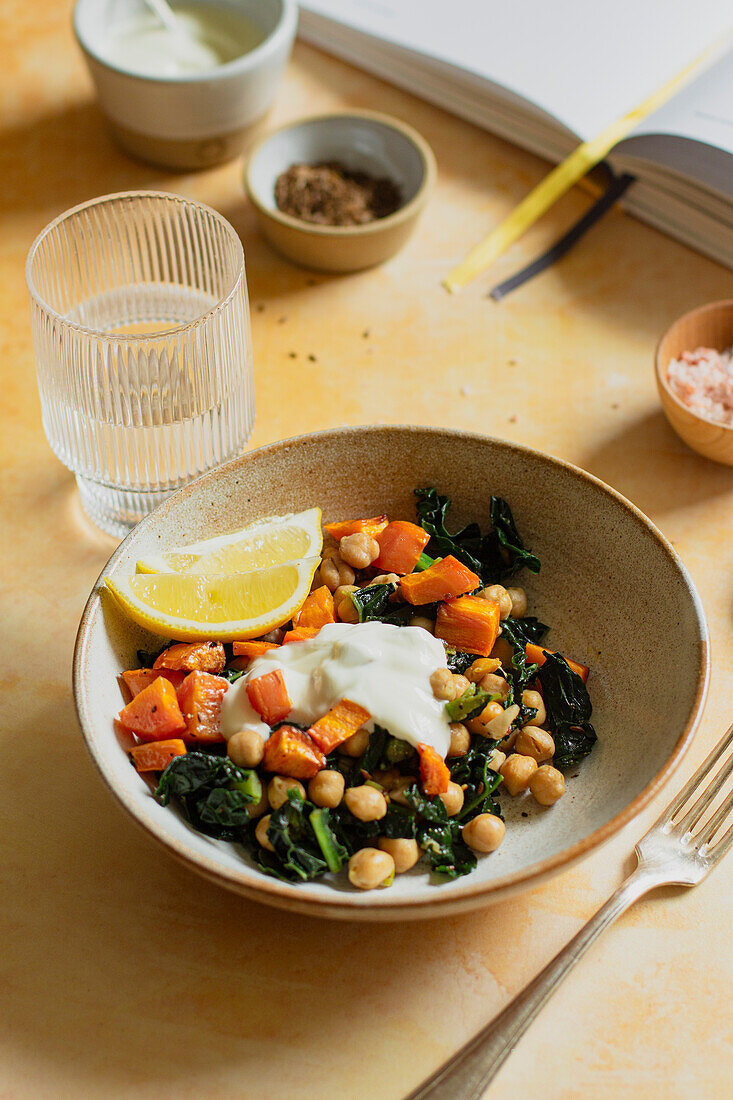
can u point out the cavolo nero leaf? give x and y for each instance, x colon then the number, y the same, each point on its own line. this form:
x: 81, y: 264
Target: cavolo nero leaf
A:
x: 569, y: 710
x: 225, y: 808
x: 505, y: 529
x: 458, y: 661
x: 372, y: 602
x: 193, y: 771
x: 291, y: 834
x: 446, y: 851
x: 432, y: 509
x: 522, y: 671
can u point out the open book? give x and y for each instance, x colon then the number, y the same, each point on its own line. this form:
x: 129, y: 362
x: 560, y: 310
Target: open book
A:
x: 548, y: 76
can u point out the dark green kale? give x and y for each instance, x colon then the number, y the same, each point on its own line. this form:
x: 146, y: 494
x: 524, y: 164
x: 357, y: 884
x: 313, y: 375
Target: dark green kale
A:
x: 292, y: 836
x: 334, y: 853
x: 471, y: 703
x: 522, y: 672
x: 372, y: 602
x: 431, y: 809
x: 569, y: 709
x: 505, y: 530
x: 472, y: 771
x: 232, y: 674
x: 458, y: 661
x: 528, y: 629
x: 372, y: 756
x: 212, y: 792
x: 148, y: 657
x: 446, y: 851
x: 495, y: 556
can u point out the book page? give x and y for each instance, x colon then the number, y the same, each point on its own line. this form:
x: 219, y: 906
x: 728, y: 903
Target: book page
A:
x: 584, y: 63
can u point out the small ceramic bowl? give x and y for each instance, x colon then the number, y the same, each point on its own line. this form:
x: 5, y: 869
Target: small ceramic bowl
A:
x: 709, y: 326
x: 193, y: 121
x: 362, y: 141
x: 648, y: 658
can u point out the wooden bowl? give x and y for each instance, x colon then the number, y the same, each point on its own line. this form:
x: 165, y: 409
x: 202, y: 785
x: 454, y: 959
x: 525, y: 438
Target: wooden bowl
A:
x: 708, y: 326
x: 363, y: 141
x: 648, y: 656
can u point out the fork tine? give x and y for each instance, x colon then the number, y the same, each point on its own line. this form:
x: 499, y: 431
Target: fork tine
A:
x: 698, y: 808
x: 718, y: 850
x: 694, y: 782
x: 715, y: 821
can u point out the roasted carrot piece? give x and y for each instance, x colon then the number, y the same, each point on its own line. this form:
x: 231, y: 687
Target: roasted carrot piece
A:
x: 434, y: 774
x: 157, y: 755
x: 193, y: 656
x: 290, y: 751
x: 300, y: 634
x: 252, y: 649
x: 154, y: 713
x: 338, y: 725
x: 139, y: 678
x: 371, y: 527
x: 400, y: 545
x: 469, y: 623
x: 199, y: 698
x: 317, y: 610
x: 443, y: 580
x: 269, y: 697
x: 536, y: 656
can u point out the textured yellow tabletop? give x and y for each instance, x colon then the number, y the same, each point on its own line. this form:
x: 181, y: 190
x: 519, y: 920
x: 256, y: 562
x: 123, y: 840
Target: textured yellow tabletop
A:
x: 124, y: 976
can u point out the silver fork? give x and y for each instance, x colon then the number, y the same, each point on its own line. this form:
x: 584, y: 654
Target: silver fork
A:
x: 680, y: 849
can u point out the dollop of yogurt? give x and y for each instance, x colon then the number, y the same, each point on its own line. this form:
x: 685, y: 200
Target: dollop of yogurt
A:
x: 385, y: 669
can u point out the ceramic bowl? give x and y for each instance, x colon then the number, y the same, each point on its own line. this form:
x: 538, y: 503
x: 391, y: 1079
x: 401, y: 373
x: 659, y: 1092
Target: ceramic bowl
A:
x: 648, y: 657
x: 361, y: 141
x: 708, y: 326
x: 198, y: 120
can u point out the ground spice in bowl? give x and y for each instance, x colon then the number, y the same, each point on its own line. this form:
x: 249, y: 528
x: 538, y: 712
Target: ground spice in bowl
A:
x: 330, y: 194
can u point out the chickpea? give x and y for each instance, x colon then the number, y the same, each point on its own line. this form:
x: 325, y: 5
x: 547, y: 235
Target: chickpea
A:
x: 480, y: 723
x: 370, y: 867
x: 519, y: 602
x: 481, y: 667
x: 484, y: 833
x: 452, y: 799
x: 460, y: 740
x: 503, y: 652
x: 547, y: 785
x: 442, y: 684
x: 275, y: 636
x: 405, y: 853
x: 424, y: 622
x: 334, y: 572
x: 499, y: 593
x: 396, y: 793
x: 366, y: 803
x: 246, y: 749
x: 326, y: 788
x: 343, y: 604
x: 517, y: 772
x: 534, y: 699
x: 256, y: 809
x: 261, y: 833
x: 460, y: 685
x: 359, y: 550
x: 535, y: 742
x: 278, y: 787
x: 356, y: 745
x: 496, y: 759
x: 387, y: 779
x: 495, y: 685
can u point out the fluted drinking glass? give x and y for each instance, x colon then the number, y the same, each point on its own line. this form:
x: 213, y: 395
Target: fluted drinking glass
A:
x: 141, y: 334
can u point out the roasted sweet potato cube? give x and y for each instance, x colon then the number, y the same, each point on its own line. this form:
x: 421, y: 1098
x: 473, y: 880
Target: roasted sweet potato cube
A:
x: 269, y: 697
x: 291, y: 751
x: 434, y: 774
x: 139, y: 678
x: 154, y: 713
x: 200, y: 697
x: 193, y: 657
x: 341, y: 722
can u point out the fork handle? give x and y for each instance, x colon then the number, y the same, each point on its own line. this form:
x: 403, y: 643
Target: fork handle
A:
x: 467, y: 1073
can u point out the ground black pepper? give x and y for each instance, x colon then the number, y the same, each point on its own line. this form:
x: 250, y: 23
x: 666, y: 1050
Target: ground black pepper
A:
x: 330, y: 194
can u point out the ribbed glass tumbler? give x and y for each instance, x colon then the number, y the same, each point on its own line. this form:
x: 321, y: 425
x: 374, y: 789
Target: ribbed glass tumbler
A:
x: 142, y: 340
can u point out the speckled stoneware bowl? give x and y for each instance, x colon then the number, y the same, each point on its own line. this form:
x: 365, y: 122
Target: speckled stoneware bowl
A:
x: 648, y: 655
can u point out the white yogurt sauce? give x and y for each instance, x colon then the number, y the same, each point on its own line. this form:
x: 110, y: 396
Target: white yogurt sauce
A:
x: 385, y: 669
x: 209, y: 37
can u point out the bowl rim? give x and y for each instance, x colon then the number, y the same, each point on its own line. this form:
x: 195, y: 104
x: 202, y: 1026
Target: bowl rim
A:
x: 719, y: 306
x: 403, y: 213
x: 467, y: 894
x: 284, y: 30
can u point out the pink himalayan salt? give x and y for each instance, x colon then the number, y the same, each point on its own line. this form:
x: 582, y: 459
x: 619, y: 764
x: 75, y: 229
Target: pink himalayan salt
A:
x: 703, y: 380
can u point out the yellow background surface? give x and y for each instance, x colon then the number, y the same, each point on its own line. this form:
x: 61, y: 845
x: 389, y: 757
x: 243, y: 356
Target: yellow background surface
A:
x: 124, y: 976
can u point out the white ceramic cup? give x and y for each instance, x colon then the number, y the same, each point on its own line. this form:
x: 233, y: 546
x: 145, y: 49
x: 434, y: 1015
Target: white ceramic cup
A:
x: 197, y: 120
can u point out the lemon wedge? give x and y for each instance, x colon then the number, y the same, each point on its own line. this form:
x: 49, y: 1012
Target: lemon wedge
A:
x: 192, y: 607
x: 267, y: 542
